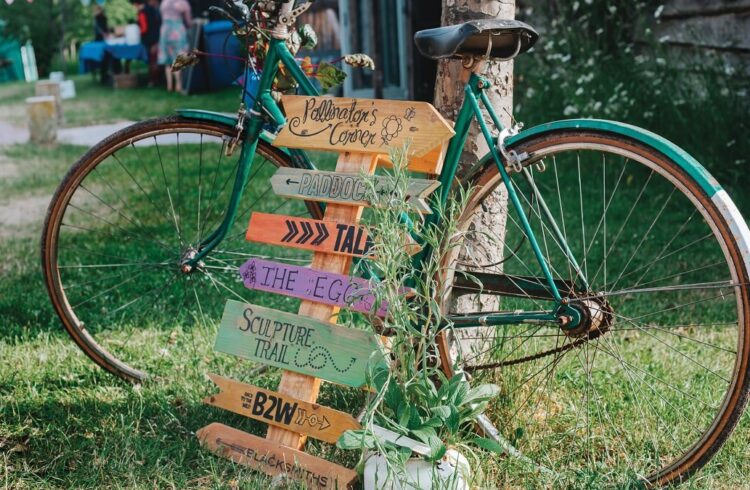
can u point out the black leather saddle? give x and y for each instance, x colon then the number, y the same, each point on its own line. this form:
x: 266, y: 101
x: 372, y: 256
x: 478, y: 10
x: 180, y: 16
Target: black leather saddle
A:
x: 508, y: 37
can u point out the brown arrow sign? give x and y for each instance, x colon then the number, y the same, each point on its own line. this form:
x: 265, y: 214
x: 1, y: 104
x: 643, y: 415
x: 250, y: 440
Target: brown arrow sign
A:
x: 325, y: 424
x: 361, y: 125
x: 272, y: 458
x: 349, y: 189
x: 314, y: 235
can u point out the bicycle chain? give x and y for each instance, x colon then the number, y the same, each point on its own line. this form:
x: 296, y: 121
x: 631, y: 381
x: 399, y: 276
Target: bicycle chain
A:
x: 532, y: 357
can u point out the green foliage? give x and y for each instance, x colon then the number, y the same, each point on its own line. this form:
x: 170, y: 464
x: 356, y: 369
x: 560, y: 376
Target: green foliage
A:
x: 599, y: 59
x: 329, y: 76
x: 414, y: 398
x: 52, y: 25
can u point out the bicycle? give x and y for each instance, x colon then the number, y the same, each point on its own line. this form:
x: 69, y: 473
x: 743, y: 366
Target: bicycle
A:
x: 635, y: 279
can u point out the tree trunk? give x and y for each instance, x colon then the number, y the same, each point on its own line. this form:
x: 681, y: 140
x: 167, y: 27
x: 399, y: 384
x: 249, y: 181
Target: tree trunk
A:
x: 491, y: 219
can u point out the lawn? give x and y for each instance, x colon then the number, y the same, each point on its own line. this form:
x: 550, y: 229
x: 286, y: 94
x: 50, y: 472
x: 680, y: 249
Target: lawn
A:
x: 65, y: 423
x: 97, y: 104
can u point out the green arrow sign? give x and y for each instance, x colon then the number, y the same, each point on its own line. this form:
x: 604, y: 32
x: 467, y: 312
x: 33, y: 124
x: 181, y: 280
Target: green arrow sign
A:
x: 298, y: 343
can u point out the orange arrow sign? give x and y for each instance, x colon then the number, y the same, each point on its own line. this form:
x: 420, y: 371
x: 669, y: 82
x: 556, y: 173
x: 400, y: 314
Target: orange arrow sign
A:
x: 361, y: 125
x: 272, y: 458
x: 280, y: 410
x: 315, y: 235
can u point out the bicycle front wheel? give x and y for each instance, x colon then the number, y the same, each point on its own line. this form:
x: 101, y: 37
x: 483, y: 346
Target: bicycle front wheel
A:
x: 650, y: 384
x: 126, y: 216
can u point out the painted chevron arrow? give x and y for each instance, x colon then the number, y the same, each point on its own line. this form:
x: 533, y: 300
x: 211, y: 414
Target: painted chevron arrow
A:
x: 331, y: 237
x: 347, y: 188
x: 325, y: 424
x: 293, y: 230
x: 322, y: 233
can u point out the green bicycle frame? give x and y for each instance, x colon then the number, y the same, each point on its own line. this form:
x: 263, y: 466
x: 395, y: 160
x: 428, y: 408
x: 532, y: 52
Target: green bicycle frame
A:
x: 265, y: 108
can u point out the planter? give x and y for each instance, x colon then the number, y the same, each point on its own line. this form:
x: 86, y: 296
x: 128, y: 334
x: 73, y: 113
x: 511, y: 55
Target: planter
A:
x: 451, y: 472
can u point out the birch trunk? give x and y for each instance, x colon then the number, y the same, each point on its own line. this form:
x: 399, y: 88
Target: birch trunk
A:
x: 491, y: 218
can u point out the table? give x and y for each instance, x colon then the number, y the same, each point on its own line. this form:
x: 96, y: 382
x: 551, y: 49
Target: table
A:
x: 91, y: 54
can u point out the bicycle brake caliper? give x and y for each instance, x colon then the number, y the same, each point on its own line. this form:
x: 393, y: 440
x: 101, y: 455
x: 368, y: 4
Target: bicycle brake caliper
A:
x: 240, y: 126
x: 513, y: 160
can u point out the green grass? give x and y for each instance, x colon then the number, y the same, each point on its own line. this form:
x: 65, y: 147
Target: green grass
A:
x: 97, y: 104
x: 64, y: 423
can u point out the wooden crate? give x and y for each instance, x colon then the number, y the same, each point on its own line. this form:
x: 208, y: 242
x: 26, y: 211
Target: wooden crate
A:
x: 125, y: 80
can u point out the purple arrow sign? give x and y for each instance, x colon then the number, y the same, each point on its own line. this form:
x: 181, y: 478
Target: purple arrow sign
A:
x: 310, y: 284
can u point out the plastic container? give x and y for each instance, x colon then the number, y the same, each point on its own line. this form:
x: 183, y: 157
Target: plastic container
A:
x: 253, y: 83
x: 132, y: 34
x: 67, y: 89
x: 219, y: 41
x: 452, y: 472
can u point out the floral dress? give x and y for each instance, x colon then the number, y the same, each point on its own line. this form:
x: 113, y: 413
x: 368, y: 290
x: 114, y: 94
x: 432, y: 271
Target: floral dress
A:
x: 176, y: 16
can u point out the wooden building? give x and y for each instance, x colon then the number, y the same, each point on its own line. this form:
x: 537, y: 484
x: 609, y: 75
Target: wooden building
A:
x: 384, y: 30
x: 715, y: 26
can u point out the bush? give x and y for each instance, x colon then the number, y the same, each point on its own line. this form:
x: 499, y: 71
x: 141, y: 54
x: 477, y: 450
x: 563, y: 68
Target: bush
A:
x: 587, y: 64
x: 52, y: 25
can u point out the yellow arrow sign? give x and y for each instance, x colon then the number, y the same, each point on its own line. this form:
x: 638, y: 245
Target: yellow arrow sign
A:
x: 280, y: 410
x: 361, y: 125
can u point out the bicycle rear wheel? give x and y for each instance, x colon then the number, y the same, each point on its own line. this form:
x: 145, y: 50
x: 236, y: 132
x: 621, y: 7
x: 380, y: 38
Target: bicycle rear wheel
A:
x: 121, y: 222
x: 651, y: 386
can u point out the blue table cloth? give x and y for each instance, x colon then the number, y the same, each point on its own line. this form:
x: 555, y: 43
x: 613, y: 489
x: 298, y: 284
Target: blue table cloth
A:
x: 92, y: 53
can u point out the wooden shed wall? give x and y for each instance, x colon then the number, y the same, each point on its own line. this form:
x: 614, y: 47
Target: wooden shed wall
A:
x: 715, y: 25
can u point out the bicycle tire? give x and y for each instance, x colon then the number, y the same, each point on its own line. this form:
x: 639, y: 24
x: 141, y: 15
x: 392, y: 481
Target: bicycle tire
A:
x: 727, y: 227
x: 106, y: 189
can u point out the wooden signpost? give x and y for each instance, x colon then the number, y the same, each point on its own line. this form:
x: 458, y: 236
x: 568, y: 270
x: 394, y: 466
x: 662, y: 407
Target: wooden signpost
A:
x: 298, y: 343
x: 315, y: 185
x: 329, y: 288
x: 366, y: 126
x: 274, y: 459
x: 325, y: 424
x: 315, y: 235
x: 307, y: 346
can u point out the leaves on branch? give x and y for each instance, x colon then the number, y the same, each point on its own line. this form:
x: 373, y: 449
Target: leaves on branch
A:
x: 308, y: 36
x: 294, y: 42
x: 307, y: 66
x: 184, y: 60
x: 329, y: 75
x: 359, y: 60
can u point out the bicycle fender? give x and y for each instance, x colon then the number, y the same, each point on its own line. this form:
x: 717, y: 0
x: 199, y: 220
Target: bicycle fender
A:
x: 223, y: 118
x: 689, y: 164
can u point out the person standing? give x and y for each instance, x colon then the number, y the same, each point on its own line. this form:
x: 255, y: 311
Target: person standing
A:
x: 176, y: 18
x: 149, y: 22
x: 101, y: 29
x: 101, y: 33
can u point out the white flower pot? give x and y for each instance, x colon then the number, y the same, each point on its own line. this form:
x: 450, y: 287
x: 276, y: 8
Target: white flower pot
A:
x: 452, y: 472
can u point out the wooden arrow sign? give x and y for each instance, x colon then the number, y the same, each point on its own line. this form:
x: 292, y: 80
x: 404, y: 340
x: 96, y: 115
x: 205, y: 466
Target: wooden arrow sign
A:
x: 361, y: 125
x: 325, y: 424
x: 273, y: 459
x: 328, y: 288
x: 315, y: 235
x: 349, y: 189
x: 298, y: 343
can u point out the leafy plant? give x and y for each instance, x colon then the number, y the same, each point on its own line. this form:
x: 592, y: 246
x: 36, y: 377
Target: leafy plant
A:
x: 414, y: 398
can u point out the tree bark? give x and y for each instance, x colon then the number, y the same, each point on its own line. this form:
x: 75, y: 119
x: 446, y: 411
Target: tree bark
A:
x: 491, y: 218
